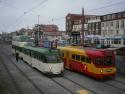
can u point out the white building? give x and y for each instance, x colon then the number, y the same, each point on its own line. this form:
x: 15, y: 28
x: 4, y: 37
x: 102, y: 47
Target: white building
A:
x: 113, y: 29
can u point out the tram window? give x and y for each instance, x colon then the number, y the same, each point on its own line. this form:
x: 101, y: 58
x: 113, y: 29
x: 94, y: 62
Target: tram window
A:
x: 108, y: 61
x: 40, y: 57
x: 30, y: 53
x: 77, y: 57
x: 35, y: 55
x: 73, y: 56
x: 88, y: 60
x: 51, y: 58
x: 62, y: 54
x: 83, y: 58
x: 99, y: 61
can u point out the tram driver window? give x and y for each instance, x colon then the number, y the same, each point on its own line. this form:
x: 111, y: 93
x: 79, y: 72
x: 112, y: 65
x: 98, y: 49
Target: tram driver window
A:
x: 108, y: 61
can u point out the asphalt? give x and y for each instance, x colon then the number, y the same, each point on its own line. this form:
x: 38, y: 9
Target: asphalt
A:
x: 7, y: 85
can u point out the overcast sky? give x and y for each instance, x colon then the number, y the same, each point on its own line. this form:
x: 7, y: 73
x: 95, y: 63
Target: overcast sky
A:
x: 16, y: 14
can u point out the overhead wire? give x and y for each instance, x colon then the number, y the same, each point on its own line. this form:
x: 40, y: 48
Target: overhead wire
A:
x: 55, y: 19
x: 12, y: 6
x: 110, y: 5
x: 24, y: 13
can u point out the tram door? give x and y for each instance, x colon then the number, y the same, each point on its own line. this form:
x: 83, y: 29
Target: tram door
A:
x: 67, y: 63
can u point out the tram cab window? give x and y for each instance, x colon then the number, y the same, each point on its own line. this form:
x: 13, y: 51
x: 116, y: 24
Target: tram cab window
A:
x: 51, y: 59
x: 108, y: 61
x: 97, y: 61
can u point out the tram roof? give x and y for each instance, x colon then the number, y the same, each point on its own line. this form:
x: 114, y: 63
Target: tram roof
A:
x: 41, y: 50
x: 87, y: 50
x: 94, y: 53
x: 21, y: 38
x: 71, y: 48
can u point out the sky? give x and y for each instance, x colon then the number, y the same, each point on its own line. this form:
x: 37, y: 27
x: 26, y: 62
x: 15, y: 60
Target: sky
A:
x: 17, y: 14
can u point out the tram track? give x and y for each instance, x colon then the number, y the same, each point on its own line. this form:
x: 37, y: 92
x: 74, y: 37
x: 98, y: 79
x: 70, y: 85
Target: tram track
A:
x: 105, y: 83
x: 36, y: 87
x: 62, y: 86
x: 11, y: 76
x: 113, y: 85
x: 54, y: 80
x: 119, y: 81
x: 33, y: 82
x: 13, y: 80
x: 81, y: 85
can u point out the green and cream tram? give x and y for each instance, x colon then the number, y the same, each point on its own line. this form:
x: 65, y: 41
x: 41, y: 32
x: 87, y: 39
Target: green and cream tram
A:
x: 47, y: 60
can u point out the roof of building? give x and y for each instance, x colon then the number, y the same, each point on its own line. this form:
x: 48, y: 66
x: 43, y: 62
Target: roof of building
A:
x: 114, y: 13
x: 75, y: 16
x: 50, y: 28
x: 47, y: 27
x: 57, y: 33
x: 80, y: 15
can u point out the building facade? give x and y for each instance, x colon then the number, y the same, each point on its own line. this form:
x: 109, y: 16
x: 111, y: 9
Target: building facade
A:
x: 73, y: 23
x: 94, y: 25
x: 113, y: 29
x: 76, y: 27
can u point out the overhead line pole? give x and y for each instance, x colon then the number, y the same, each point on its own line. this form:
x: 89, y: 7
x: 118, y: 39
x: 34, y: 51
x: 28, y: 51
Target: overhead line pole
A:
x: 82, y: 29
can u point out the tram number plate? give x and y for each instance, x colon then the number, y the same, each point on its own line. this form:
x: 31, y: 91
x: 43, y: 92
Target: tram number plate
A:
x: 108, y: 70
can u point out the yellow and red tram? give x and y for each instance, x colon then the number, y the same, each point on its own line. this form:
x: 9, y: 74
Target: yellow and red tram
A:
x: 93, y: 62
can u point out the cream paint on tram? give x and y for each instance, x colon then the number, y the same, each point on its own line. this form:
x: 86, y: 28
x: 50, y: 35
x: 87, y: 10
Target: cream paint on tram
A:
x: 20, y: 44
x: 55, y: 68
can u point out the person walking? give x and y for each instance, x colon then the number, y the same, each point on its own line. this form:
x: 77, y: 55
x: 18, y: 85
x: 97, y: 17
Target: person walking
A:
x: 17, y: 57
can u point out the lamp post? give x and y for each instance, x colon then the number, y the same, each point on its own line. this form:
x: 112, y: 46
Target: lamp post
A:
x: 38, y: 18
x: 82, y: 29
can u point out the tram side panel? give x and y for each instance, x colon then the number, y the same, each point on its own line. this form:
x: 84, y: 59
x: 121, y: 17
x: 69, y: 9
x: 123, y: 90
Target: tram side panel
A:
x: 74, y: 61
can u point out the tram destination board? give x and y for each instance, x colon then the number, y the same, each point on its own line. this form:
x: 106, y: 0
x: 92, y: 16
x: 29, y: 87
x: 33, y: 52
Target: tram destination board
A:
x: 75, y: 33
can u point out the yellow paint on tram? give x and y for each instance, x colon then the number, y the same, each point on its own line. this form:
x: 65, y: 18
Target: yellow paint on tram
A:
x: 83, y: 92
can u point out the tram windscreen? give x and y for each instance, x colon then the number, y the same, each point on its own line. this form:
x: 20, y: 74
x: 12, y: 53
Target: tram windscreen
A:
x: 53, y: 58
x: 106, y: 61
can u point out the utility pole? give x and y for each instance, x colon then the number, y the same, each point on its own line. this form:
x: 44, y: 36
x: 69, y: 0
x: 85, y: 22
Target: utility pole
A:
x: 38, y: 19
x: 37, y: 33
x: 82, y: 29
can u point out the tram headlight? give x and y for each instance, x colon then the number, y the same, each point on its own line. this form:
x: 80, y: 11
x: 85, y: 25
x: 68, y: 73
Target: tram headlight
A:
x: 101, y: 71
